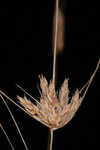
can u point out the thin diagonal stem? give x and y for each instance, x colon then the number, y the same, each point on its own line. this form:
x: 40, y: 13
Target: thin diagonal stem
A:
x: 50, y: 139
x: 27, y: 94
x: 7, y: 137
x: 35, y: 117
x: 55, y: 43
x: 15, y: 123
x: 90, y: 80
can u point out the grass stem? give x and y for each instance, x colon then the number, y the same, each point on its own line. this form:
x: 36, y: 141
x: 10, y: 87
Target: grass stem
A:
x: 50, y: 139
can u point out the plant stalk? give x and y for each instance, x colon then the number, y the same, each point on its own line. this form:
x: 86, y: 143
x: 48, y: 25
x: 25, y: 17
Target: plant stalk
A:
x: 50, y: 139
x: 55, y: 42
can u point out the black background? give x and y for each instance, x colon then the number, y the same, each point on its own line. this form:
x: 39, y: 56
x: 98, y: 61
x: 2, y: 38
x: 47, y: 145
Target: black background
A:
x: 26, y: 52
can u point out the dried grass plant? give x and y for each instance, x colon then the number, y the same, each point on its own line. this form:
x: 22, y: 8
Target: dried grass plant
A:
x: 54, y: 109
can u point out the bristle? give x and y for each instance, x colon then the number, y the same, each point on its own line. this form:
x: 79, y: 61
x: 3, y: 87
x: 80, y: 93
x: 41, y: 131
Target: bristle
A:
x: 60, y: 31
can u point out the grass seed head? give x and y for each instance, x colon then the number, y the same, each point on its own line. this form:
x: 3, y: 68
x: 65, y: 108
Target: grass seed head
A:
x: 54, y: 108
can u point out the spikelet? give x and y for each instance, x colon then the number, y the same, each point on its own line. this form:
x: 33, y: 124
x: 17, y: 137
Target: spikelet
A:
x: 28, y: 105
